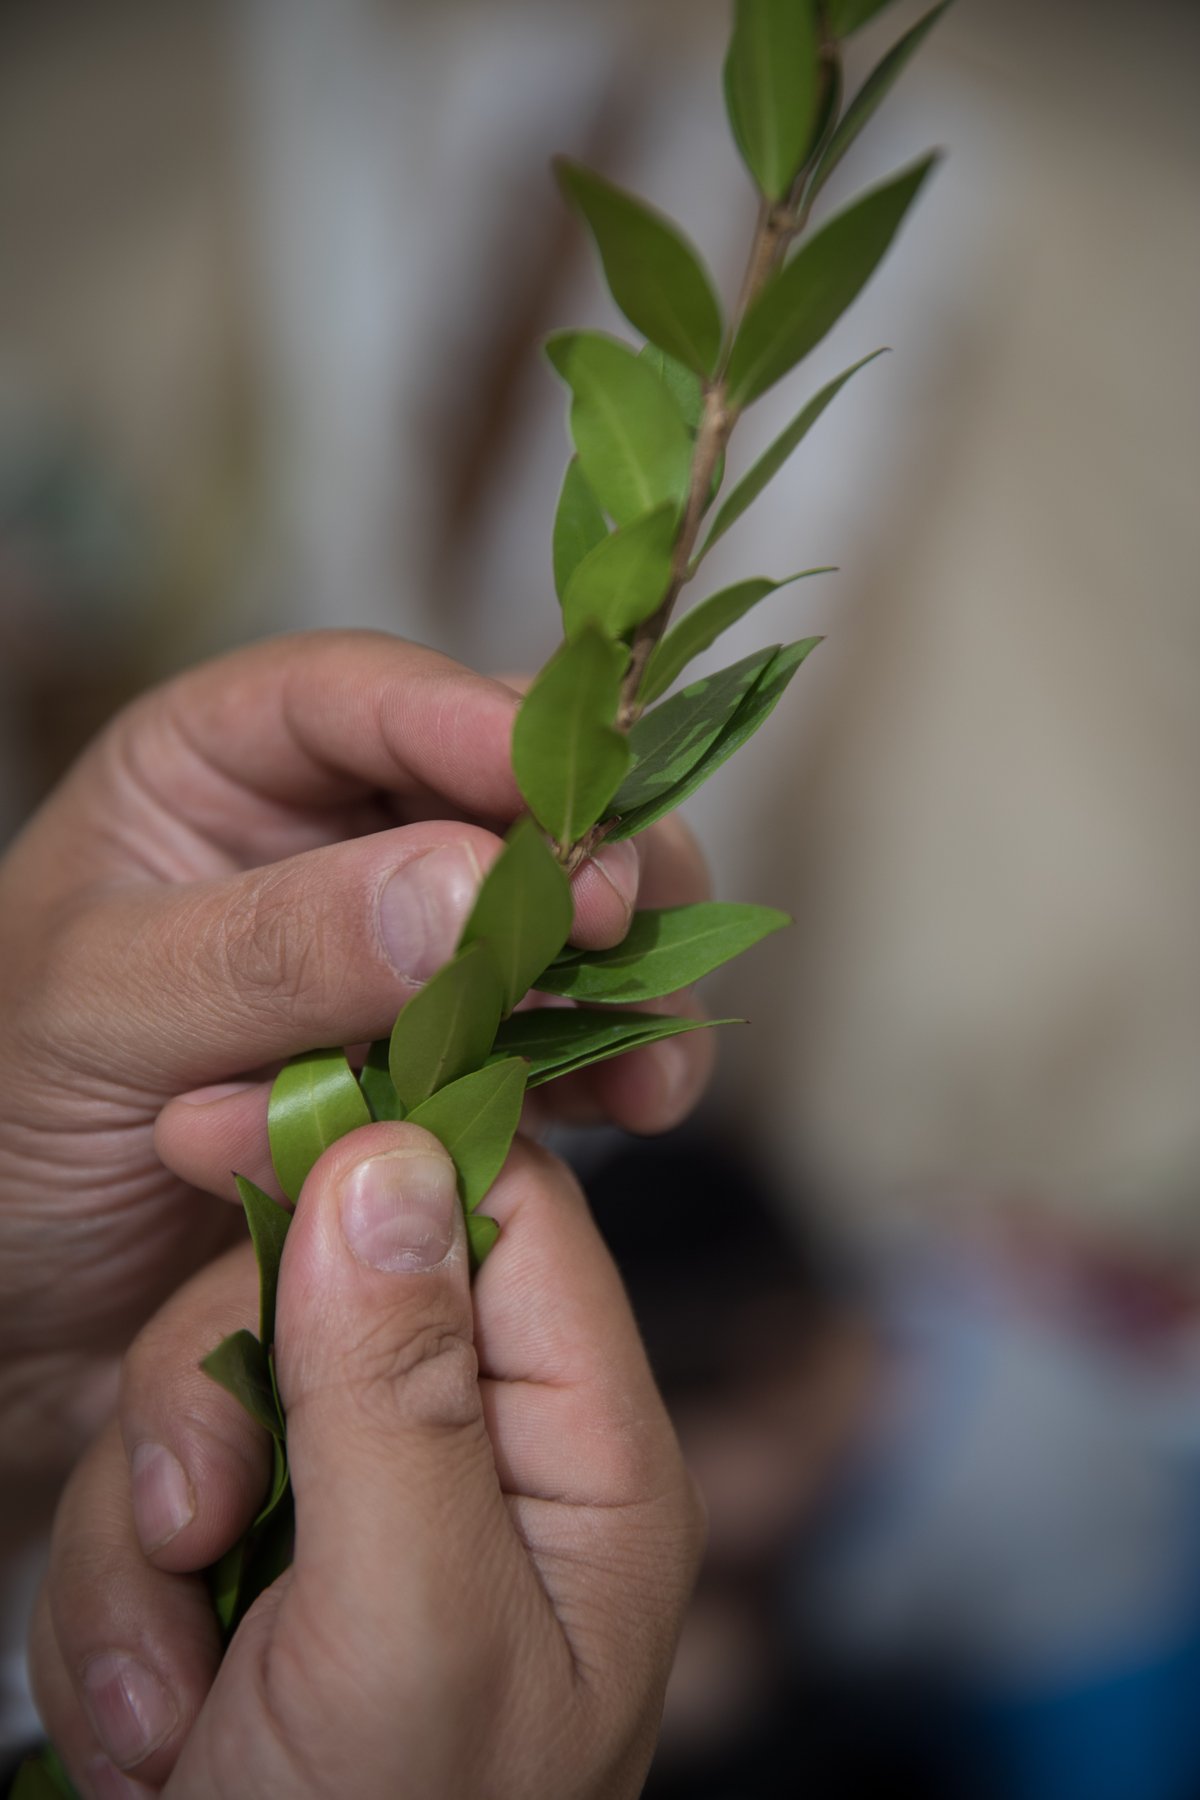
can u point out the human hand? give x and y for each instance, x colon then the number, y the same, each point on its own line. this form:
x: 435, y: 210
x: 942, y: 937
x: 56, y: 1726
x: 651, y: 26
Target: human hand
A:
x: 495, y: 1533
x: 221, y: 882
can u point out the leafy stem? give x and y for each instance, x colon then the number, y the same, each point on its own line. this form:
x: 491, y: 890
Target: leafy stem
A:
x: 779, y: 224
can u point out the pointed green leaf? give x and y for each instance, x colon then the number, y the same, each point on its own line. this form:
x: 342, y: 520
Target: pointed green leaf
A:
x: 482, y: 1233
x: 662, y: 952
x: 656, y: 277
x: 846, y: 16
x: 870, y: 97
x: 475, y: 1120
x: 625, y: 578
x: 772, y: 460
x: 375, y: 1080
x: 239, y: 1364
x: 557, y: 1041
x: 523, y: 912
x: 315, y: 1101
x: 280, y: 1482
x: 703, y: 626
x: 754, y: 711
x: 684, y: 387
x: 772, y: 82
x: 567, y: 757
x: 667, y: 742
x: 579, y: 525
x: 633, y: 446
x: 446, y: 1030
x: 268, y: 1222
x: 809, y: 294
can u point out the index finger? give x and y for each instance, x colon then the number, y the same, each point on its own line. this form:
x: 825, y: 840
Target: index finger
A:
x: 571, y: 1405
x: 309, y: 722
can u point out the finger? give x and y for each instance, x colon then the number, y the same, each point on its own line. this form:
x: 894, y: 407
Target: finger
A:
x: 199, y: 1465
x: 138, y: 1647
x: 583, y: 1446
x: 397, y: 1504
x: 567, y: 1388
x: 95, y: 1775
x: 674, y: 870
x: 193, y: 984
x: 203, y: 1135
x: 257, y: 751
x: 644, y: 1091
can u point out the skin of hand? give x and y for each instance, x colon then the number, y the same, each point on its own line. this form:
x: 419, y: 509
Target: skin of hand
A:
x: 265, y: 855
x: 495, y: 1532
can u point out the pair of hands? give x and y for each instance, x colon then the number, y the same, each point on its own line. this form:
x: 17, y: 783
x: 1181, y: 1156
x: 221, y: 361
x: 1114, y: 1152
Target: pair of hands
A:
x: 485, y: 1592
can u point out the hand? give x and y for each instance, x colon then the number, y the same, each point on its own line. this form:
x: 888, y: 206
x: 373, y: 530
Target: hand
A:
x: 494, y: 1545
x: 219, y: 884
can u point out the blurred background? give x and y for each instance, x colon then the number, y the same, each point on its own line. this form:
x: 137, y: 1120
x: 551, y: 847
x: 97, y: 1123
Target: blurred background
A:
x: 273, y: 275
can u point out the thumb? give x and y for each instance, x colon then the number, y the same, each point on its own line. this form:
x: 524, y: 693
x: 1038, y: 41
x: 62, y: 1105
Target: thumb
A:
x: 396, y: 1491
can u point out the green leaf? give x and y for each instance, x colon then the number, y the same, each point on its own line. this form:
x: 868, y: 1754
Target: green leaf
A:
x: 272, y: 1550
x: 280, y: 1480
x: 772, y: 83
x: 633, y: 446
x: 625, y: 578
x: 268, y: 1222
x: 523, y: 912
x: 315, y: 1101
x: 475, y: 1120
x: 703, y: 626
x: 579, y: 525
x: 567, y: 757
x: 446, y: 1029
x: 656, y: 277
x: 846, y: 16
x: 810, y: 293
x: 225, y: 1585
x: 772, y: 460
x: 830, y: 104
x: 482, y: 1233
x: 239, y: 1364
x: 683, y: 386
x: 559, y: 1040
x: 42, y: 1777
x: 375, y: 1080
x: 667, y: 742
x: 754, y: 711
x: 663, y: 951
x: 870, y: 97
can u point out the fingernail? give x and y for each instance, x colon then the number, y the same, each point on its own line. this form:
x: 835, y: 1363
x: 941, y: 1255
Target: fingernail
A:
x: 620, y: 866
x: 162, y: 1495
x: 398, y: 1210
x: 424, y: 907
x: 106, y: 1782
x: 130, y: 1709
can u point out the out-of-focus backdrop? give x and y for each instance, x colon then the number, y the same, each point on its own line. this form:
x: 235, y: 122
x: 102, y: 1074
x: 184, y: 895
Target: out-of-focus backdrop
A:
x: 272, y: 279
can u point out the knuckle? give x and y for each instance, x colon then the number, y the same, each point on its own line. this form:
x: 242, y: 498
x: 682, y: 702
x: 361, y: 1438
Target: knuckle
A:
x: 271, y: 949
x: 429, y: 1380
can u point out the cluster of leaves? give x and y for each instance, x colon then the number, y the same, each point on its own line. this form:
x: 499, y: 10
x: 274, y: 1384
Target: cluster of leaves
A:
x: 598, y: 753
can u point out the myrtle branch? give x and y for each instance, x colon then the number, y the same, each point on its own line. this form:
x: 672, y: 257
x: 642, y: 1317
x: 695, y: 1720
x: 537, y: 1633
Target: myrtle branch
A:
x: 780, y: 223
